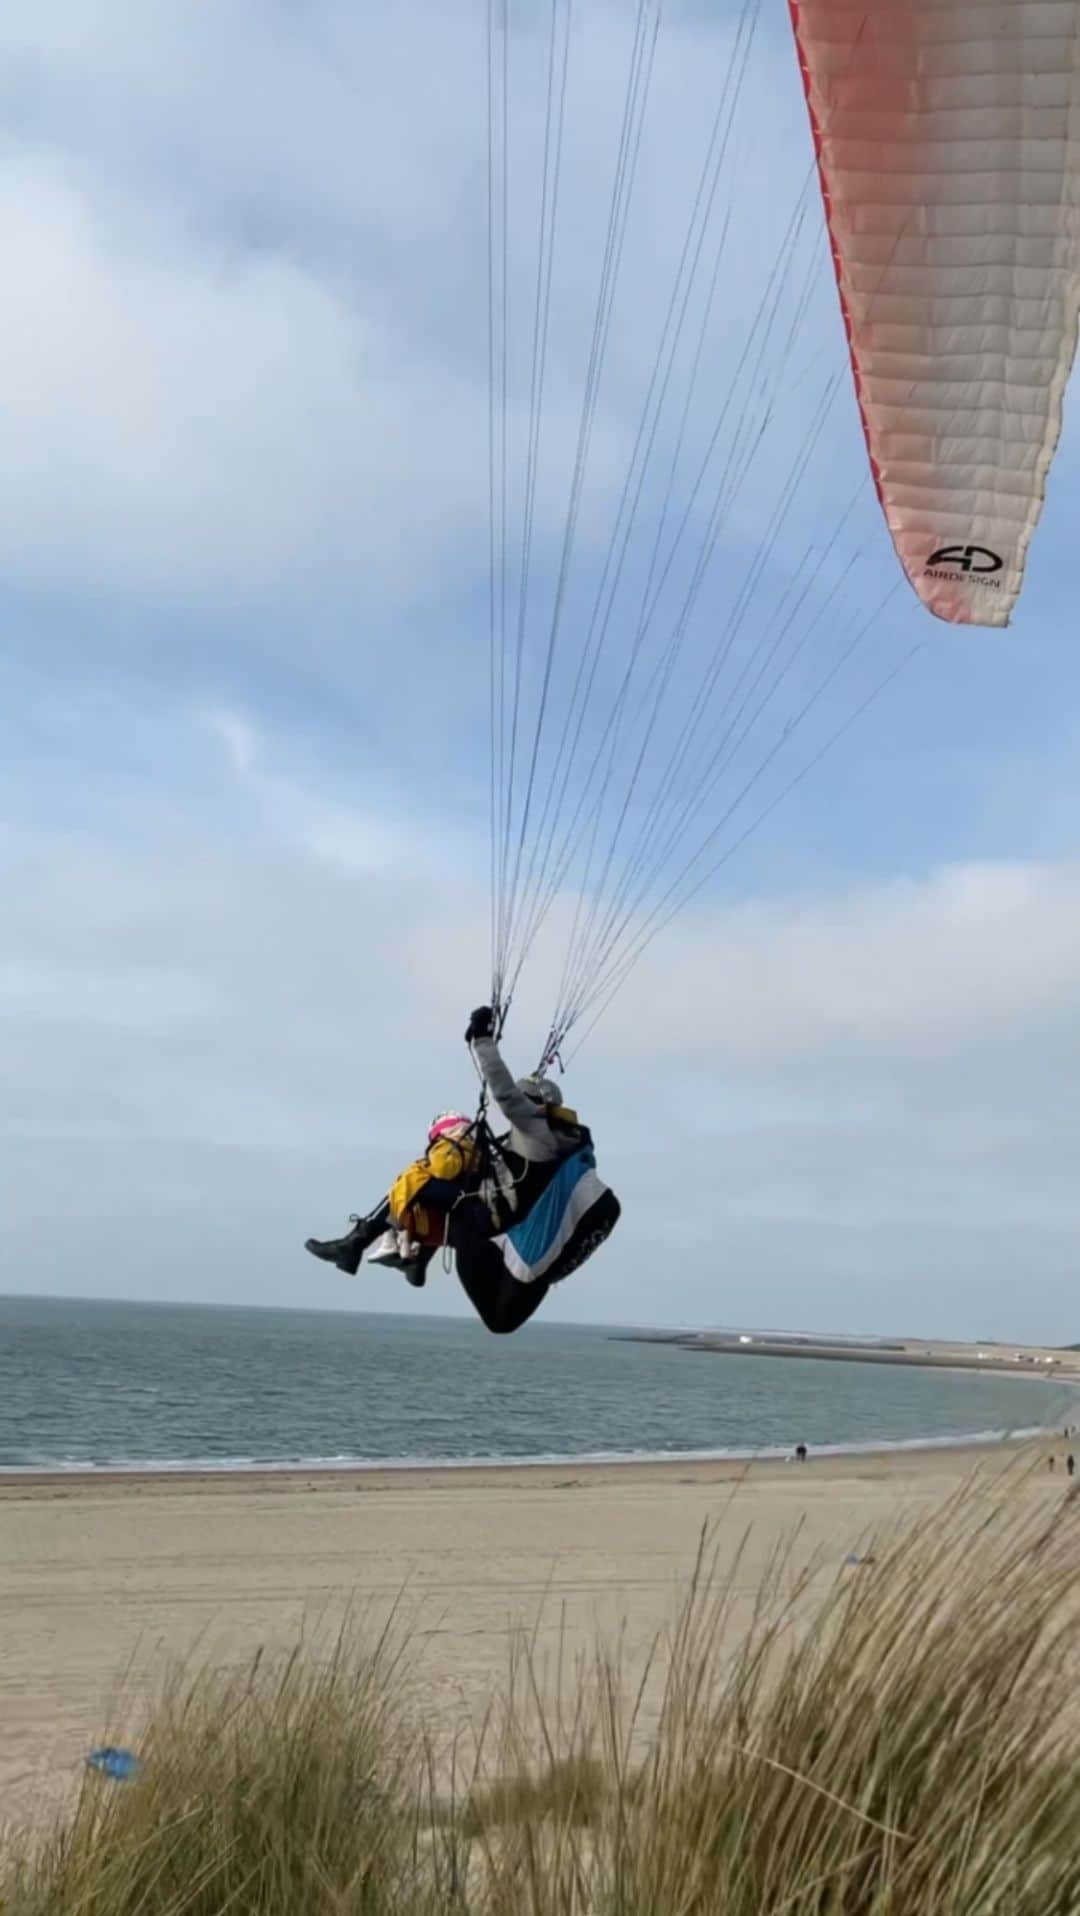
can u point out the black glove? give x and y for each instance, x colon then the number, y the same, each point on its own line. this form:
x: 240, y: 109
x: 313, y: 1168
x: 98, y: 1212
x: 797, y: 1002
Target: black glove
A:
x: 481, y: 1024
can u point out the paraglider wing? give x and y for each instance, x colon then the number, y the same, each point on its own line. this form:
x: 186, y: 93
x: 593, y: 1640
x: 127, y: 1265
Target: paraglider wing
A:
x: 948, y: 145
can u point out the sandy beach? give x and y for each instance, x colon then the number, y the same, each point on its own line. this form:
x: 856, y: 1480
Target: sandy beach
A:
x: 104, y: 1580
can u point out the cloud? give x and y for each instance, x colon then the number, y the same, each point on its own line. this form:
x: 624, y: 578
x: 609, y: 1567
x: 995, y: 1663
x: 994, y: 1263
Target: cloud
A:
x: 855, y: 1107
x: 290, y: 813
x: 183, y: 422
x: 239, y: 739
x: 245, y: 350
x: 918, y: 967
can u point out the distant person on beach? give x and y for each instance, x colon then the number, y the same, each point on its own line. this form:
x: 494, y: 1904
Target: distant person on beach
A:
x: 535, y: 1189
x: 800, y: 1453
x: 1070, y: 1464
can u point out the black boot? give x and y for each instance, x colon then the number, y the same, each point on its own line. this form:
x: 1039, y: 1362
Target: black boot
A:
x: 346, y: 1252
x: 416, y: 1270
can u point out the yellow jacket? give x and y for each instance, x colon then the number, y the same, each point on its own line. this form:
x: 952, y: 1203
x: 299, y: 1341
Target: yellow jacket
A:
x: 447, y: 1161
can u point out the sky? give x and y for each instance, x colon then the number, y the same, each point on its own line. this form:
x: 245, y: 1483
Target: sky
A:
x: 244, y: 699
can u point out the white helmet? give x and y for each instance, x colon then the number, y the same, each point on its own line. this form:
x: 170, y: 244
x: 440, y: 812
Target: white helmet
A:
x: 541, y: 1090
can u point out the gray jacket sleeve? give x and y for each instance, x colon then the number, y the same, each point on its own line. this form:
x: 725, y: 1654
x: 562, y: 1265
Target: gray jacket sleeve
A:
x: 532, y: 1134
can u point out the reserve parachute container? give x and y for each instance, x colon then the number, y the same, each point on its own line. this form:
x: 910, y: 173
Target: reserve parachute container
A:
x: 948, y: 145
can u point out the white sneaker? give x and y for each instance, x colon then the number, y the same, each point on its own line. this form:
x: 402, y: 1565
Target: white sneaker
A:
x: 396, y: 1250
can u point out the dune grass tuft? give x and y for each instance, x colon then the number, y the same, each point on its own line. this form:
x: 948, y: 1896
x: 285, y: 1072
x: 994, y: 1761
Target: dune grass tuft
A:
x: 278, y: 1788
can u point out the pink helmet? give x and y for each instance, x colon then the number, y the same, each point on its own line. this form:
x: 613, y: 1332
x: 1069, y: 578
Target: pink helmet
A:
x: 448, y: 1124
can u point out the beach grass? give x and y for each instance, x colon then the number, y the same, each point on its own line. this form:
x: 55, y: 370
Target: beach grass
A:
x: 892, y: 1738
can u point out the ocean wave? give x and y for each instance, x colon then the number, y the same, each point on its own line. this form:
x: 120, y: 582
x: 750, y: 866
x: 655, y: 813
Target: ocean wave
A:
x: 250, y: 1465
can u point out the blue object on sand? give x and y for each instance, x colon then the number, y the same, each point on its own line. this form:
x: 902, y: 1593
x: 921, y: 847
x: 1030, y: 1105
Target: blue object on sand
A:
x: 121, y: 1765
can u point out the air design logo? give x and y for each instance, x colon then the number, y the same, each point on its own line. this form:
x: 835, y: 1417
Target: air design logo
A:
x: 976, y: 563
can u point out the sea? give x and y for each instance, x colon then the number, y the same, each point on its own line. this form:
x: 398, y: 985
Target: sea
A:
x: 90, y: 1386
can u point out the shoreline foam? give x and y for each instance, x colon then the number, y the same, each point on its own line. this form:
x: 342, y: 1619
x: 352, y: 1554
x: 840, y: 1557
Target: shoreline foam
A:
x: 244, y: 1470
